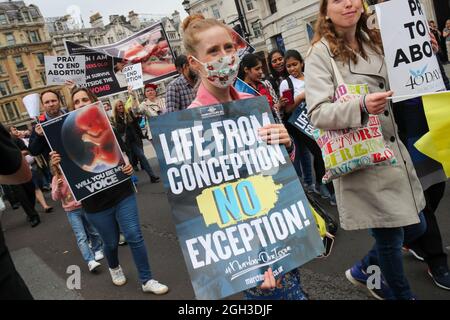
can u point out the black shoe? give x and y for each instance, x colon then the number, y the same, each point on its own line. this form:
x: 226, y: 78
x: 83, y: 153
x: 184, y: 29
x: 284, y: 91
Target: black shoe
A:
x: 34, y: 221
x: 441, y: 277
x: 154, y: 179
x: 48, y: 210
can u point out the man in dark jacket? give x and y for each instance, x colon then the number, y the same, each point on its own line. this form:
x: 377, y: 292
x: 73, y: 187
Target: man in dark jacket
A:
x: 13, y: 170
x: 52, y: 104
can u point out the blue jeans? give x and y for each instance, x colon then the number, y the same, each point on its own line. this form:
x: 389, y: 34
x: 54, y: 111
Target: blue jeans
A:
x: 124, y: 216
x: 84, y: 232
x: 302, y: 162
x: 387, y: 253
x: 139, y: 153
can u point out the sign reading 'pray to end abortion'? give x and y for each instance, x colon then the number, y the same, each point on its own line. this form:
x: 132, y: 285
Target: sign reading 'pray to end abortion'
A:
x: 59, y: 69
x: 412, y: 66
x: 237, y: 203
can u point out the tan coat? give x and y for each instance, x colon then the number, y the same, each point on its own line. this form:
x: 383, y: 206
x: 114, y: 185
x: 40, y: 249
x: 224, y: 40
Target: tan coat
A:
x: 380, y: 196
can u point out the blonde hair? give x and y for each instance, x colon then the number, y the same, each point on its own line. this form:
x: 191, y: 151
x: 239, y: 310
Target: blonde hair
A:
x: 193, y: 25
x: 125, y: 113
x: 324, y: 28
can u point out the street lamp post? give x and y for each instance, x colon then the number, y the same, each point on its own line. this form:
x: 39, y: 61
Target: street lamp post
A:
x: 241, y: 19
x: 186, y: 5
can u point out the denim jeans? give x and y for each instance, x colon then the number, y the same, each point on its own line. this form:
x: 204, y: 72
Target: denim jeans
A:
x: 139, y: 152
x: 84, y: 232
x: 124, y: 216
x: 387, y: 253
x: 302, y: 162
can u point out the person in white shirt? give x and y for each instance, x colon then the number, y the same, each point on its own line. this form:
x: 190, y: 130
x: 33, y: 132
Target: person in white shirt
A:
x: 296, y: 80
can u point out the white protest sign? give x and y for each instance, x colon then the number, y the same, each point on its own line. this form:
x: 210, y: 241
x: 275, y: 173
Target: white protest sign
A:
x: 412, y: 66
x: 59, y: 69
x: 133, y: 76
x: 32, y: 103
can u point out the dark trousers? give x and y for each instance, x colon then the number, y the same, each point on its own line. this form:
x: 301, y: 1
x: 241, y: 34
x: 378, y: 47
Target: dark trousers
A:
x: 430, y: 243
x: 10, y: 196
x: 306, y: 142
x: 387, y: 253
x: 12, y: 286
x: 25, y: 193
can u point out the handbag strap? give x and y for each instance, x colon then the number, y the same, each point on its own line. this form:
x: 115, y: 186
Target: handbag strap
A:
x: 290, y: 84
x: 337, y: 73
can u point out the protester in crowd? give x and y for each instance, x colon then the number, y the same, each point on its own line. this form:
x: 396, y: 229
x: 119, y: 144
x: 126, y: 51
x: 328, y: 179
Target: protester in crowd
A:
x: 152, y: 106
x: 277, y: 68
x: 251, y: 72
x: 52, y: 104
x: 129, y: 130
x: 13, y: 170
x: 302, y: 162
x: 296, y: 80
x: 412, y: 125
x: 442, y: 52
x: 387, y: 199
x: 210, y: 46
x: 116, y: 208
x: 37, y: 177
x: 88, y: 239
x: 181, y: 91
x: 26, y: 192
x: 446, y: 36
x: 108, y: 110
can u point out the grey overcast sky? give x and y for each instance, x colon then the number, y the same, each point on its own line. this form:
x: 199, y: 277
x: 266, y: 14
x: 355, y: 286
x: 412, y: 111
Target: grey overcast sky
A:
x: 52, y: 8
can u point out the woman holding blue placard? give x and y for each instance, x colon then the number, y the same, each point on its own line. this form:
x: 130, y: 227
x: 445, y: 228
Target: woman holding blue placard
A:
x: 212, y: 53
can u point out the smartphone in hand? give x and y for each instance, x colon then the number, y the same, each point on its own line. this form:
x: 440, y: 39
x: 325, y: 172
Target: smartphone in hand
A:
x: 289, y: 95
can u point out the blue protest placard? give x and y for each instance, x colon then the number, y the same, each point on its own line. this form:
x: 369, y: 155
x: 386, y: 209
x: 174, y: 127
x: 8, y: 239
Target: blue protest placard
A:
x: 237, y: 202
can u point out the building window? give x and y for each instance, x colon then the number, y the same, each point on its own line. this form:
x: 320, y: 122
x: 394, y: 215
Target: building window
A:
x: 249, y: 5
x: 273, y: 6
x: 19, y: 62
x: 4, y: 89
x: 111, y: 40
x: 257, y: 31
x: 10, y: 111
x: 278, y: 43
x: 310, y: 30
x: 3, y: 19
x: 26, y: 82
x: 43, y: 78
x: 26, y: 16
x: 10, y: 39
x: 215, y: 11
x: 33, y: 36
x: 40, y: 57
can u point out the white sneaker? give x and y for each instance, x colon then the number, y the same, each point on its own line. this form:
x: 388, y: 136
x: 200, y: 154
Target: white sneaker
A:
x: 93, y: 265
x: 99, y: 255
x: 155, y: 287
x: 118, y: 278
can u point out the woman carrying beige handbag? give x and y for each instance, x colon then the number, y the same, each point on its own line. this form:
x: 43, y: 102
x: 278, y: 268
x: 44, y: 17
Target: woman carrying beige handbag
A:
x: 384, y: 199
